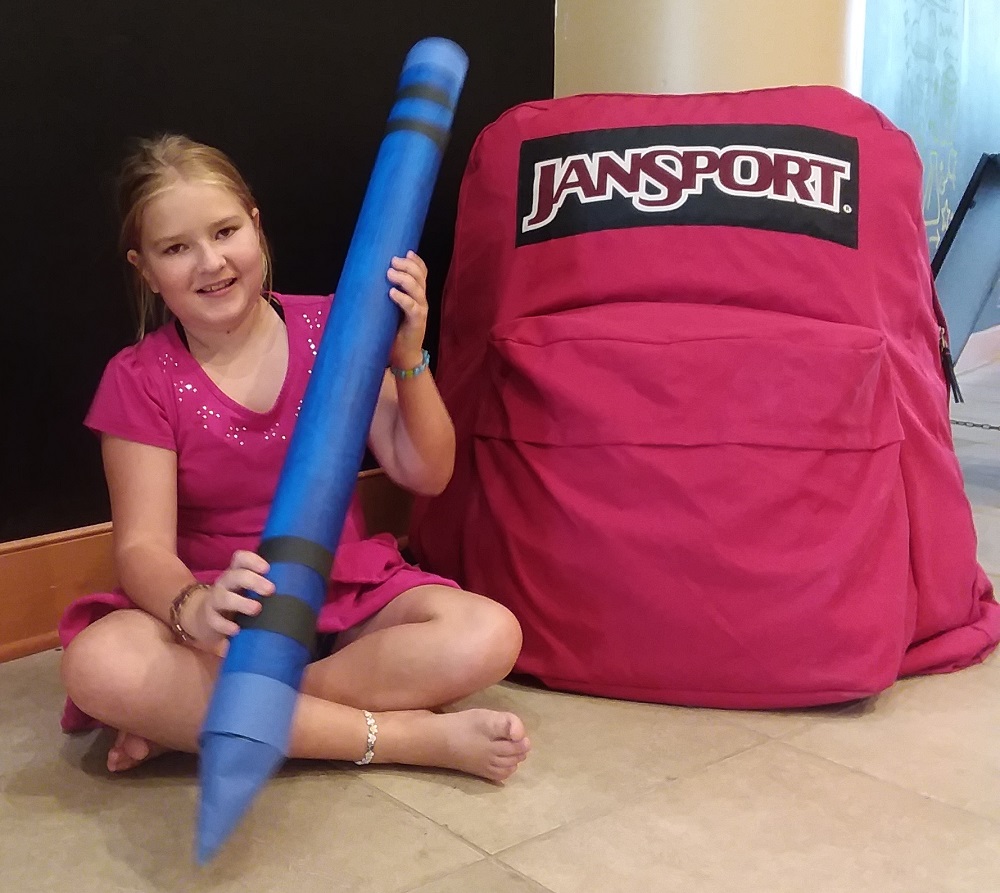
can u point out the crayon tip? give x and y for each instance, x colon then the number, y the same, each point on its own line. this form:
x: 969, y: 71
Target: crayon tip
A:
x: 233, y: 769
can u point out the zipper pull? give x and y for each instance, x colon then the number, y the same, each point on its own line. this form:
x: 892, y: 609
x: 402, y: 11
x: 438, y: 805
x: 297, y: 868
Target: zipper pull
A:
x: 949, y: 367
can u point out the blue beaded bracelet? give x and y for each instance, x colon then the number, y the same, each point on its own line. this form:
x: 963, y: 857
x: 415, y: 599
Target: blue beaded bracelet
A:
x: 416, y: 370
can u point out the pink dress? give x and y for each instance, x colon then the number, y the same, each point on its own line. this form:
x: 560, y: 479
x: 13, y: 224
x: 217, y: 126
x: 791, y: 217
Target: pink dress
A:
x: 228, y: 462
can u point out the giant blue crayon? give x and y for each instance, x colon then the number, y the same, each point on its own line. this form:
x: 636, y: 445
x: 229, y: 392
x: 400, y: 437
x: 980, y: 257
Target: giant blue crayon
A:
x: 246, y: 732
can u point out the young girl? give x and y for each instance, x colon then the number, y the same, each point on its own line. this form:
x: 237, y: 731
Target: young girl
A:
x: 194, y: 422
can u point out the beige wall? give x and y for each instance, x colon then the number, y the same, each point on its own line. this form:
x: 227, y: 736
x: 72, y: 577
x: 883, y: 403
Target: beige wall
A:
x: 692, y: 46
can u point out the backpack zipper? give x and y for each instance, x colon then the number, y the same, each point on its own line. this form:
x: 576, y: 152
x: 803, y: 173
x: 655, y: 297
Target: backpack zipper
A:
x: 948, y: 364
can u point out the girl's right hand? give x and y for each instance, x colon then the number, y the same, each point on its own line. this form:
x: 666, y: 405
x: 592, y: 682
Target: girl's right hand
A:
x: 209, y: 619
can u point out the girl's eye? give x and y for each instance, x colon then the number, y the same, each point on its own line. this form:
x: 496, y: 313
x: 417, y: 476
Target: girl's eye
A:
x: 173, y: 249
x: 226, y: 232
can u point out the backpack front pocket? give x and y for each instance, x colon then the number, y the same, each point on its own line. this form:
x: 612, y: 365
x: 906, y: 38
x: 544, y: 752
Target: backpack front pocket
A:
x: 693, y: 504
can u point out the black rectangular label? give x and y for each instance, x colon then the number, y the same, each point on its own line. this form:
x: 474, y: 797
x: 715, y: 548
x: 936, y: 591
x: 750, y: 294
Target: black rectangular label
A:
x: 780, y: 177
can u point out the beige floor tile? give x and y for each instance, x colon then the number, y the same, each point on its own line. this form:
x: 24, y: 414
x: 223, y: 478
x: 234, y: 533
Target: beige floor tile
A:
x: 770, y: 820
x: 588, y: 756
x: 992, y: 662
x: 779, y: 723
x: 936, y: 735
x: 483, y: 877
x: 358, y: 837
x: 313, y: 836
x: 64, y: 820
x: 31, y: 699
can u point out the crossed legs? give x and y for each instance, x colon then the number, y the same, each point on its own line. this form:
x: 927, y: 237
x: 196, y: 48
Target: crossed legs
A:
x: 430, y: 646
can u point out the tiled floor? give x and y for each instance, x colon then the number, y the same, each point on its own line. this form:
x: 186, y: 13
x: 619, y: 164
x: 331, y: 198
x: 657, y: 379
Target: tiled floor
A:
x: 899, y: 794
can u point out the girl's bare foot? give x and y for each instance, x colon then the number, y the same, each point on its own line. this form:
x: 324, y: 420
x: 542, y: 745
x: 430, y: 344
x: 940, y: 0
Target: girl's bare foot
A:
x: 130, y: 750
x: 480, y: 742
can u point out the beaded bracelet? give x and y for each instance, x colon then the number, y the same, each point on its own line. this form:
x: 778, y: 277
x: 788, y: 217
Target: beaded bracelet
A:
x: 370, y: 742
x: 175, y: 610
x: 416, y: 370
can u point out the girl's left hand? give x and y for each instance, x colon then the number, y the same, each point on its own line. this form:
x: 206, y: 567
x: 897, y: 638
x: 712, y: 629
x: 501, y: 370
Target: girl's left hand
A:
x: 408, y: 276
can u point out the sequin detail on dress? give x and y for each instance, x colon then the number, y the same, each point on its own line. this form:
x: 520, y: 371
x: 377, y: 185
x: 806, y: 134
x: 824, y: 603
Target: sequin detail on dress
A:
x: 206, y: 415
x: 316, y: 325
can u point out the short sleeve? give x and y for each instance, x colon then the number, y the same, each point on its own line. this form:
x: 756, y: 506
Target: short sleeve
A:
x: 131, y: 401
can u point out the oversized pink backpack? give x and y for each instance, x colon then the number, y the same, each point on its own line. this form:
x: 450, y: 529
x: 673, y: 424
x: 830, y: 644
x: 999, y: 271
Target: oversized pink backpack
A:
x: 693, y: 354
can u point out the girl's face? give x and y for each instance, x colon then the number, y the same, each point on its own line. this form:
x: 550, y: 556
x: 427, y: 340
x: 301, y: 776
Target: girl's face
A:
x: 200, y: 251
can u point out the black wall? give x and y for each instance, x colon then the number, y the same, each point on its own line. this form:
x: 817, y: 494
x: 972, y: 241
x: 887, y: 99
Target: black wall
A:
x: 296, y: 92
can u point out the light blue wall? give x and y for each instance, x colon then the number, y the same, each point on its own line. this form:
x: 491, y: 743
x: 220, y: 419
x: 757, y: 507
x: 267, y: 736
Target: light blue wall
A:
x: 933, y: 66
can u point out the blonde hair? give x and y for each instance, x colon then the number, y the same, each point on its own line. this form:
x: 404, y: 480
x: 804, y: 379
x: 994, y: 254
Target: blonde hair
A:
x: 150, y: 170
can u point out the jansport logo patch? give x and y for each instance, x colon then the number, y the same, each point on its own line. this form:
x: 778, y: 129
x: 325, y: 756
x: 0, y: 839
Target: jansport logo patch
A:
x: 784, y: 178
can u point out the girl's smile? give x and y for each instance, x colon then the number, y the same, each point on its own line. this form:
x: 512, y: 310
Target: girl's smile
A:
x: 200, y: 251
x: 217, y: 287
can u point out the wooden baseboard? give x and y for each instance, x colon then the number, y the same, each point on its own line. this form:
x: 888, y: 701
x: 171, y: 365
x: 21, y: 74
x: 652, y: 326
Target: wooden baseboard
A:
x: 40, y: 576
x: 31, y: 645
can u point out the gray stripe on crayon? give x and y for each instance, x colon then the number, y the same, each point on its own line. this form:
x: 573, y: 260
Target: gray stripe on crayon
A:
x: 438, y: 134
x: 288, y: 615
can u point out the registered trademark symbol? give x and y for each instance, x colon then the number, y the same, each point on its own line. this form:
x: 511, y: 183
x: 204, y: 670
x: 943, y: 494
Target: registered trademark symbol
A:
x: 847, y: 209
